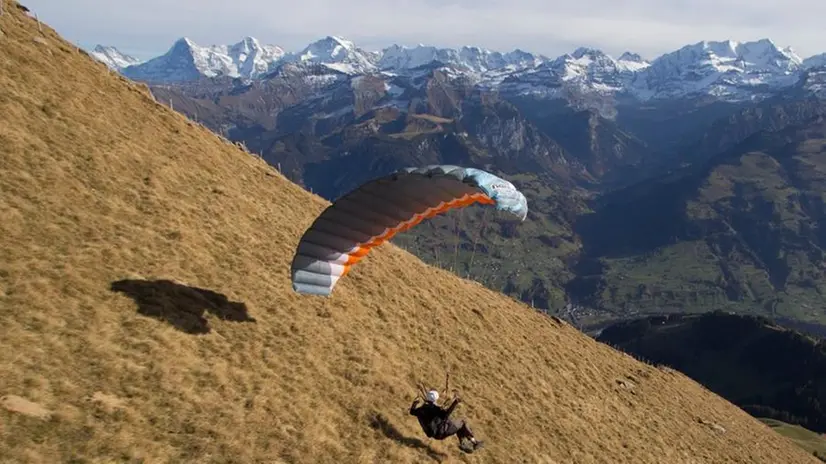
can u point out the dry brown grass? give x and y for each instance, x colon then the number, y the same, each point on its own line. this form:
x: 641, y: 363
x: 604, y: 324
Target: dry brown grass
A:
x: 100, y: 186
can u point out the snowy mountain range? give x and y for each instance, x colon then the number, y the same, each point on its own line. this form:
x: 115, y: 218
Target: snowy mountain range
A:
x: 187, y: 60
x: 729, y: 70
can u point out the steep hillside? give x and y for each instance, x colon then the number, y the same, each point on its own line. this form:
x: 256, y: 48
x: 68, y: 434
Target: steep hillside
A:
x: 810, y: 441
x: 766, y: 369
x: 147, y: 313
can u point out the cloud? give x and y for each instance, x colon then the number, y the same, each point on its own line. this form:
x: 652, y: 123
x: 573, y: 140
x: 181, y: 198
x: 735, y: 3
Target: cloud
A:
x: 648, y: 27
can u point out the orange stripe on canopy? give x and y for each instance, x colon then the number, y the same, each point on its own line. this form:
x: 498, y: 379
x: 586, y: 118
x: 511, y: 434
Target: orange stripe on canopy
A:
x: 461, y: 202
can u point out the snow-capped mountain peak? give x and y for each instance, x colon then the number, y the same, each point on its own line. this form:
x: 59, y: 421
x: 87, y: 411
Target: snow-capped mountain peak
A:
x: 113, y: 57
x: 398, y: 57
x: 719, y: 68
x: 519, y: 55
x: 336, y: 53
x: 593, y: 68
x: 253, y: 59
x: 632, y: 62
x: 724, y: 55
x: 468, y: 58
x: 331, y: 48
x: 631, y: 57
x: 482, y: 60
x: 587, y: 52
x: 184, y: 45
x: 187, y: 60
x: 583, y: 71
x: 246, y: 45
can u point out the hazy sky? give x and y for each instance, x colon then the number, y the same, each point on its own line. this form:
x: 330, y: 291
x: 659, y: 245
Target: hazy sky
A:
x: 147, y: 28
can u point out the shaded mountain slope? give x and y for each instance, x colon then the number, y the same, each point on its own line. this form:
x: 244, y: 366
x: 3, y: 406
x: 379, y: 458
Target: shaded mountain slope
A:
x: 743, y: 231
x: 768, y: 370
x: 769, y: 116
x: 147, y: 312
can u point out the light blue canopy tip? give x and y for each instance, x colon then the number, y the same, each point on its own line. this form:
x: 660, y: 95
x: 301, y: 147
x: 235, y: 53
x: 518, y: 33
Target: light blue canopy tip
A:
x: 505, y: 195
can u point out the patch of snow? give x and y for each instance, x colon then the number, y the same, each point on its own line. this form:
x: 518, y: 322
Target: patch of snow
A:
x: 401, y: 105
x: 814, y: 81
x: 322, y: 80
x: 632, y: 62
x: 335, y: 114
x: 393, y: 89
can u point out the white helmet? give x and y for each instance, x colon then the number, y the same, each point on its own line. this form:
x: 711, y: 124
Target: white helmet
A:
x: 432, y: 396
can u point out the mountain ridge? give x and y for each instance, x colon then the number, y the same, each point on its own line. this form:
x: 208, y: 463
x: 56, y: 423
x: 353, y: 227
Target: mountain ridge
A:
x: 728, y: 68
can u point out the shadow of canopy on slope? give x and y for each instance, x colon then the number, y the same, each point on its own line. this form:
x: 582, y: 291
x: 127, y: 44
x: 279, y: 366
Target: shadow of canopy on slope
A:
x: 380, y: 423
x: 180, y: 305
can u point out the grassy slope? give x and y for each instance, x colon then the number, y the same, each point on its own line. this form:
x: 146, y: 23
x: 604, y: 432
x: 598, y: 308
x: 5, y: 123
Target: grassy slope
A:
x: 810, y: 441
x: 99, y: 183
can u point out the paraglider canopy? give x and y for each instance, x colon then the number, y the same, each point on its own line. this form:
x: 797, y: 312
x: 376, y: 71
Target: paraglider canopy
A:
x: 374, y: 212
